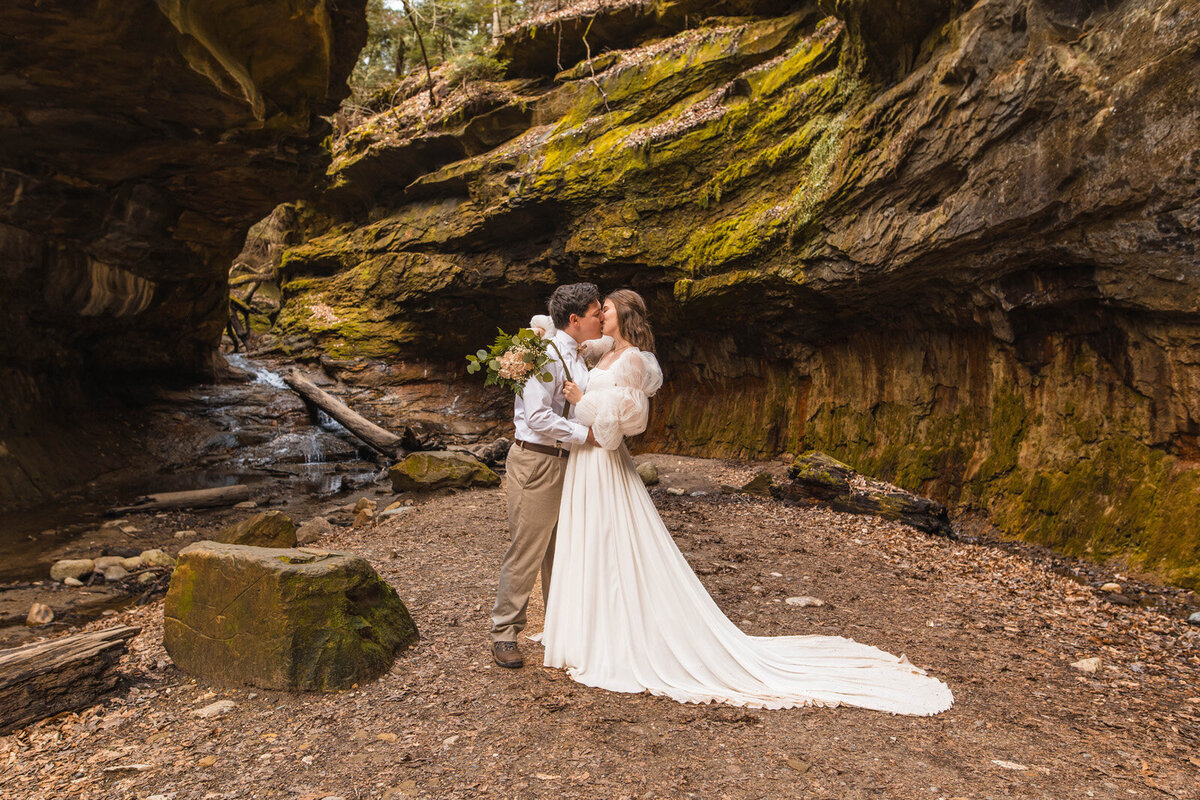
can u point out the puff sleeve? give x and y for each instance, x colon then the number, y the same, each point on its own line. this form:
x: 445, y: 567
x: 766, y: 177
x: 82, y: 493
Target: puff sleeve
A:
x: 623, y: 409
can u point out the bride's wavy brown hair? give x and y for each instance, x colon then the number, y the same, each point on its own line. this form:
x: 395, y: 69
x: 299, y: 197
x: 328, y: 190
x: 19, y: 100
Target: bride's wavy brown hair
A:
x: 632, y: 318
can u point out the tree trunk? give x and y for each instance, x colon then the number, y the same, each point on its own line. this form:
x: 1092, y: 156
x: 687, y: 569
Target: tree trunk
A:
x: 495, y: 23
x: 412, y: 20
x: 63, y: 674
x: 386, y: 442
x: 197, y: 498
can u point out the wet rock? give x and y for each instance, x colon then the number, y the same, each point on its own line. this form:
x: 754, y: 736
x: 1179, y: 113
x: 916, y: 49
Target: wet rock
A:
x: 75, y: 568
x: 313, y: 530
x: 39, y: 614
x: 282, y: 619
x: 648, y: 473
x: 423, y: 472
x: 268, y: 529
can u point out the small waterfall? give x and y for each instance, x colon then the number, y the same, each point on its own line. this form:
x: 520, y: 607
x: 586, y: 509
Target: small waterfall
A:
x: 261, y: 374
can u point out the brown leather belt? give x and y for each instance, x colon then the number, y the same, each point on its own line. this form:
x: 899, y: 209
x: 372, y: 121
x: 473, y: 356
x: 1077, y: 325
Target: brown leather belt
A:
x: 544, y: 449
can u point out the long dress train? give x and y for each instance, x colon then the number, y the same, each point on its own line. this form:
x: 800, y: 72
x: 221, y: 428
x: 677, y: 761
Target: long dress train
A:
x: 627, y: 613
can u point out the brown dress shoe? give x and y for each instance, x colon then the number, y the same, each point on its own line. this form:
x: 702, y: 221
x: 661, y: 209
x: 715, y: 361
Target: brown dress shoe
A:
x: 507, y: 654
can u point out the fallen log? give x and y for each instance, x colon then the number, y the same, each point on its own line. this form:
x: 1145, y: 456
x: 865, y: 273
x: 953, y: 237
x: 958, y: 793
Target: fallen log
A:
x: 46, y: 678
x: 386, y: 442
x: 196, y: 498
x: 816, y: 477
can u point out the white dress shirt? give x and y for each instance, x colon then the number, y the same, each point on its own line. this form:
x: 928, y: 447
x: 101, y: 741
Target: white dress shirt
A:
x: 538, y: 413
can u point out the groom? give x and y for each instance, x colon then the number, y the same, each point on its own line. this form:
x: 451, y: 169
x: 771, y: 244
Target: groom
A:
x: 536, y: 465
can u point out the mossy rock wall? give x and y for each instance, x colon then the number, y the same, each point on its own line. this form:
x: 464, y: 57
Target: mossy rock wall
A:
x: 956, y: 251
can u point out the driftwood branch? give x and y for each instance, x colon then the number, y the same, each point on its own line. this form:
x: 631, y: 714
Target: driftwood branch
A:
x: 64, y: 674
x: 386, y: 442
x: 197, y: 498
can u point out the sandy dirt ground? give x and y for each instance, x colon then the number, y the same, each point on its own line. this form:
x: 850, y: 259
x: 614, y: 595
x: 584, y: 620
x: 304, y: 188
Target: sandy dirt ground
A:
x: 1001, y: 628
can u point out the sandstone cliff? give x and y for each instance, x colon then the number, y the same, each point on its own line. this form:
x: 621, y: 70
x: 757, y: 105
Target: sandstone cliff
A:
x: 138, y: 142
x: 953, y: 246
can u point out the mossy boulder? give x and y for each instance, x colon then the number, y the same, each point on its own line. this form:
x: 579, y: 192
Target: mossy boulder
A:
x: 268, y: 529
x: 301, y: 619
x: 425, y: 472
x: 817, y: 477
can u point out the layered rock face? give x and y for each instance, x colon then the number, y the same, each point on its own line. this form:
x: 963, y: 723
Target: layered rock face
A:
x: 954, y: 247
x: 138, y: 142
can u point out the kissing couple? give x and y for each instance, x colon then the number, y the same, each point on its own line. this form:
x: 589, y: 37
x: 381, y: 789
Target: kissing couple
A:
x: 624, y: 611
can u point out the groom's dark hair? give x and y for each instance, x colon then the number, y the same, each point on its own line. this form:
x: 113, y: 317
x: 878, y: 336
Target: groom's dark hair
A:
x: 571, y: 298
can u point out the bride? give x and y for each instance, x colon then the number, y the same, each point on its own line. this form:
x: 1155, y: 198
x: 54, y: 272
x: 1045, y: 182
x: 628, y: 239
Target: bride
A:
x: 625, y: 611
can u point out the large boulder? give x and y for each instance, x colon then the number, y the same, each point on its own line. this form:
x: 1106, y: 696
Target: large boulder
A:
x: 268, y: 529
x: 282, y: 619
x: 424, y: 472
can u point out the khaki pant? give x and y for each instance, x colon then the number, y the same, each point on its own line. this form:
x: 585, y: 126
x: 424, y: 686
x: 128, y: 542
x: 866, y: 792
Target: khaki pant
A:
x: 535, y: 483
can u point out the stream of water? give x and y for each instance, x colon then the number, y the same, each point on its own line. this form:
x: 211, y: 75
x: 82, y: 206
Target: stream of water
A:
x: 257, y: 433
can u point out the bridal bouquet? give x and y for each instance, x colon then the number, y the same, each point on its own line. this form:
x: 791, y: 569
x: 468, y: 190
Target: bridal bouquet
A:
x: 511, y: 360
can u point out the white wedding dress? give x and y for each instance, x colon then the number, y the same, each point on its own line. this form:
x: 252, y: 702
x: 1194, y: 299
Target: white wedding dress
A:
x: 627, y: 613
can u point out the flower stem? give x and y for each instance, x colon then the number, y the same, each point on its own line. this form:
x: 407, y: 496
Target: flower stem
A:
x: 567, y: 371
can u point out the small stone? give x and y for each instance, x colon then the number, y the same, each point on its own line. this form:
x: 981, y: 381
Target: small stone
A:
x: 1120, y: 600
x: 206, y: 762
x: 130, y: 529
x: 72, y: 568
x: 1194, y: 619
x: 396, y: 509
x: 676, y: 491
x: 1111, y: 588
x: 386, y: 736
x: 804, y: 601
x: 157, y: 558
x: 184, y: 534
x: 217, y: 709
x: 133, y: 563
x: 39, y: 614
x: 364, y: 512
x: 146, y: 577
x: 73, y: 582
x: 246, y: 504
x: 648, y: 473
x: 1088, y: 665
x: 115, y: 573
x: 313, y: 530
